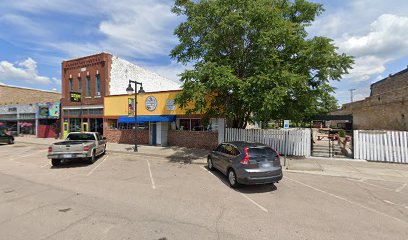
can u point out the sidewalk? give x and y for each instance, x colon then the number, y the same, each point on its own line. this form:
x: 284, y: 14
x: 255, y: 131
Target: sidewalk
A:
x: 350, y: 168
x: 173, y: 153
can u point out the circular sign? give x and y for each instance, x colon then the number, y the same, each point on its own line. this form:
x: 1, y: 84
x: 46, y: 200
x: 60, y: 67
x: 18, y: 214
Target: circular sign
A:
x: 151, y: 103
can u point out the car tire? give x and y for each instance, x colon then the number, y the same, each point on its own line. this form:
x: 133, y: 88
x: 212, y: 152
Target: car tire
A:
x: 56, y: 162
x: 232, y: 178
x: 10, y: 141
x: 210, y: 164
x: 92, y: 159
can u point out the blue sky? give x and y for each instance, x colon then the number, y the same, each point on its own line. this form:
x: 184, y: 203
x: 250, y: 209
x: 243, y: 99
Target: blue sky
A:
x: 35, y: 36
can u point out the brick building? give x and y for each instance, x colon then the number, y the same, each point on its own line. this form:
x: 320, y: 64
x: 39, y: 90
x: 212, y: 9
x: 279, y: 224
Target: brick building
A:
x: 26, y: 111
x: 94, y: 77
x: 13, y: 95
x: 385, y: 109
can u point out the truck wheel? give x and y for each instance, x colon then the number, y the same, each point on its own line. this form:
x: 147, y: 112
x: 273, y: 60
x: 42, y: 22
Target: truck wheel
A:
x: 56, y: 162
x: 91, y: 160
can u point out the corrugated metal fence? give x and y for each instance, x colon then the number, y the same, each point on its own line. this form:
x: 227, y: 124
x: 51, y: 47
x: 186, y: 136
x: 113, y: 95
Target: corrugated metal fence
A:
x: 297, y: 140
x: 387, y: 146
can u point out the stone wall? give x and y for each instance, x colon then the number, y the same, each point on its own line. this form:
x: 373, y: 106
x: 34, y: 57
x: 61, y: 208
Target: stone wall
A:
x: 192, y: 139
x: 126, y: 136
x: 10, y: 95
x: 385, y: 109
x: 391, y: 83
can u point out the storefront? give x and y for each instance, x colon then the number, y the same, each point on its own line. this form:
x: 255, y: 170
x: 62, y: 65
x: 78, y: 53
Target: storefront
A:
x: 48, y: 120
x: 19, y: 119
x: 159, y: 122
x: 87, y: 118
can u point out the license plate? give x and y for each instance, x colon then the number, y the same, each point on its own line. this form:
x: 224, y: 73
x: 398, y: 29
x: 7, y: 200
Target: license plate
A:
x: 265, y: 165
x: 66, y: 155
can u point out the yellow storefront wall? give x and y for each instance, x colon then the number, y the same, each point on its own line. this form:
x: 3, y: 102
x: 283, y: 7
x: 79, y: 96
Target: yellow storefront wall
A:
x: 116, y: 106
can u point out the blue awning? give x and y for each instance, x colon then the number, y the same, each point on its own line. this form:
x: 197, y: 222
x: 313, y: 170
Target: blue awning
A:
x: 152, y: 118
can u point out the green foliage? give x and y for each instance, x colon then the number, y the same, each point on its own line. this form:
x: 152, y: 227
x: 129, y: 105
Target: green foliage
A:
x: 342, y: 133
x: 256, y: 59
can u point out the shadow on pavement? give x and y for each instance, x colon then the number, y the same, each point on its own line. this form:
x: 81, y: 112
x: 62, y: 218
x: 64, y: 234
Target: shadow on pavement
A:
x: 245, y: 189
x: 75, y: 163
x: 187, y: 155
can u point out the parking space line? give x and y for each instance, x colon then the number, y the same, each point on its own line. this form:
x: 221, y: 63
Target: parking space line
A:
x: 48, y: 164
x: 374, y: 185
x: 346, y: 200
x: 151, y: 175
x: 401, y: 188
x: 243, y: 195
x: 89, y: 174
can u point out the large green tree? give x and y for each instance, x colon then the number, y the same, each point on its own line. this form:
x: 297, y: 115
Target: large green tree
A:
x: 256, y: 60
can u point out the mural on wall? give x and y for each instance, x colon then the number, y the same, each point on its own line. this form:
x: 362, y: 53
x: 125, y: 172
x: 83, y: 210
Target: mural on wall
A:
x: 49, y: 110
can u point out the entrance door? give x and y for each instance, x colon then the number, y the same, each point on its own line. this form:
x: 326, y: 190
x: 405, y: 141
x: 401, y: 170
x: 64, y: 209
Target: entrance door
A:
x: 85, y: 127
x: 154, y: 133
x: 66, y: 127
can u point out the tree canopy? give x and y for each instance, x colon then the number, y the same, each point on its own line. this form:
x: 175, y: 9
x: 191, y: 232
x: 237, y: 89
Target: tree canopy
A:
x: 256, y: 60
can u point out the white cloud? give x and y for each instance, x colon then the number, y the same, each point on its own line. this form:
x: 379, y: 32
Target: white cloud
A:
x: 22, y: 71
x: 384, y: 42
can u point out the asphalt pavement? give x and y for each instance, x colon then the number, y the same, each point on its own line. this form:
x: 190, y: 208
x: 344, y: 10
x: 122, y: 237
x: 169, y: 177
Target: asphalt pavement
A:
x: 125, y: 196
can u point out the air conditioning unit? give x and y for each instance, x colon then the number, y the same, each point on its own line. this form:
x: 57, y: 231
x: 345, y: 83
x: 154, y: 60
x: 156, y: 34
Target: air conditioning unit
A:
x: 98, y: 93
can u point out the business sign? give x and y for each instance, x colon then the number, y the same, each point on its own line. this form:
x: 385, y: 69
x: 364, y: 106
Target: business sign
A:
x: 170, y: 105
x: 131, y: 107
x: 151, y: 103
x: 286, y: 124
x: 75, y: 96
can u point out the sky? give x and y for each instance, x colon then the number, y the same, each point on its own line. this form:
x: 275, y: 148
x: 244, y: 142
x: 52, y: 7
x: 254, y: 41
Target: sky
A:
x: 36, y: 36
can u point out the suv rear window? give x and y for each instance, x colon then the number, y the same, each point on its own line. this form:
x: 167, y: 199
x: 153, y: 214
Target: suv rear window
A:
x: 261, y: 152
x: 80, y: 136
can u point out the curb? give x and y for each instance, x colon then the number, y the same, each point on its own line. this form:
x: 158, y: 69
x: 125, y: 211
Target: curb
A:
x: 192, y: 160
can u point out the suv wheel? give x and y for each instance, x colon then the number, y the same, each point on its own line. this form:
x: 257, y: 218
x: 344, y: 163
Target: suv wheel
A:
x: 232, y: 178
x: 56, y: 162
x: 210, y: 164
x: 10, y: 141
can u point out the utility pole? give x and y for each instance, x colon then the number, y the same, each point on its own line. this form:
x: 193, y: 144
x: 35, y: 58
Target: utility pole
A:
x: 351, y: 93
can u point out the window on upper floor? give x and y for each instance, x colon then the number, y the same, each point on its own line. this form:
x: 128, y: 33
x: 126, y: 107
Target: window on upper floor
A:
x: 71, y: 86
x: 88, y: 86
x: 79, y: 85
x: 98, y: 85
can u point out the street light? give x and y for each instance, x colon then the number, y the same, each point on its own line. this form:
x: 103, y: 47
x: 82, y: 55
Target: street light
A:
x: 141, y: 92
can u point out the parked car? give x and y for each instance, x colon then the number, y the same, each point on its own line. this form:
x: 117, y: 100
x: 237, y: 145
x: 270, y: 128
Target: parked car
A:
x: 6, y: 138
x: 77, y: 145
x: 246, y: 163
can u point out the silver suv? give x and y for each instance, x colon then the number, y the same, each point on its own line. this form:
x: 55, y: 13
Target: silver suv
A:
x: 246, y: 163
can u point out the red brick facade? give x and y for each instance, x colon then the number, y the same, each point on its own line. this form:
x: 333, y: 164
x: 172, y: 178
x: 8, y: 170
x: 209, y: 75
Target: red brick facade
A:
x: 127, y: 136
x: 192, y: 139
x: 81, y: 68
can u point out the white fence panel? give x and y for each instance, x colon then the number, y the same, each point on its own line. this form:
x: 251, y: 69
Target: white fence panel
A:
x: 297, y: 140
x: 386, y: 146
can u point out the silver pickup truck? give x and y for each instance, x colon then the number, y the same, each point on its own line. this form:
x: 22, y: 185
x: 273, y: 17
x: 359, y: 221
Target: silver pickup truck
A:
x: 77, y: 145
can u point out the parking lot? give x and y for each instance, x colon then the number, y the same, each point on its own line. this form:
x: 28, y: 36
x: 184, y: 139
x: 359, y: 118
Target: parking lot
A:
x: 125, y: 196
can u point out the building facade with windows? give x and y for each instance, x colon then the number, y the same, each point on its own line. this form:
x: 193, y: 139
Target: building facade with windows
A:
x: 86, y: 81
x: 28, y: 111
x: 159, y: 122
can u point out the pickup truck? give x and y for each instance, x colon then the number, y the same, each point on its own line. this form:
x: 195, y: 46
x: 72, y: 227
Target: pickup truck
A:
x: 78, y: 145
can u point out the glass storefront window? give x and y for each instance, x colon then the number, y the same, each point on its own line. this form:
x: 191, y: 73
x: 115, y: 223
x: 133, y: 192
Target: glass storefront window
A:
x: 75, y: 125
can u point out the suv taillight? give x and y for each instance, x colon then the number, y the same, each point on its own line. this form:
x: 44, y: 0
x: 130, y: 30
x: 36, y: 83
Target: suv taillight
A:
x: 276, y: 152
x: 245, y: 160
x: 49, y: 149
x: 86, y: 148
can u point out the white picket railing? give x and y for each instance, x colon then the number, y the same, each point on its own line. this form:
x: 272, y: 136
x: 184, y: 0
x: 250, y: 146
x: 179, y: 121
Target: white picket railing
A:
x: 297, y: 140
x: 386, y: 146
